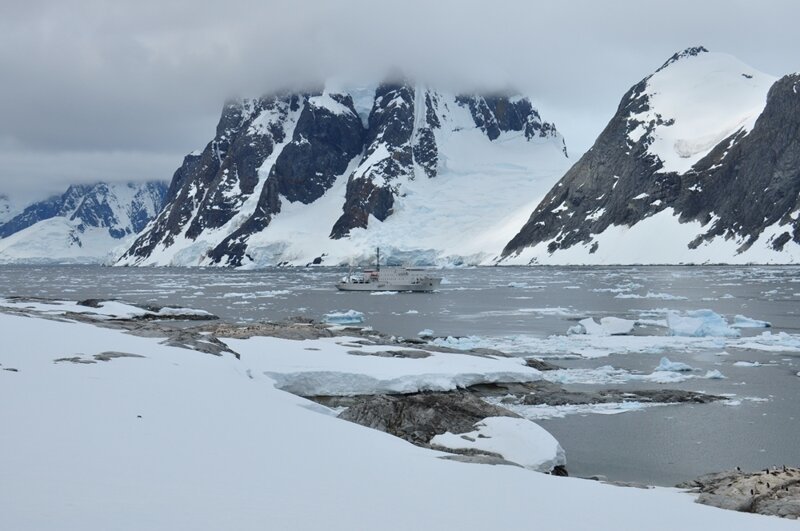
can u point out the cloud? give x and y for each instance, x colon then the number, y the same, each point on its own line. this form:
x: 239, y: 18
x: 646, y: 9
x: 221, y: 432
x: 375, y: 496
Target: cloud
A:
x: 91, y: 80
x: 41, y: 174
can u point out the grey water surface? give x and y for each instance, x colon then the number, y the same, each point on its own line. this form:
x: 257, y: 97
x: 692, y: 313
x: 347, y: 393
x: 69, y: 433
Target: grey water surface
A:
x: 660, y: 445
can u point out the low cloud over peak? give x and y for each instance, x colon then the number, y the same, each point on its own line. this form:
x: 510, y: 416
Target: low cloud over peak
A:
x: 138, y: 84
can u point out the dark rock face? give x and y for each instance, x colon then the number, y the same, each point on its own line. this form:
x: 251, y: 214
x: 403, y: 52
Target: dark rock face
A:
x: 500, y: 114
x: 210, y: 187
x: 323, y: 144
x: 391, y: 125
x: 293, y: 147
x: 756, y: 183
x: 95, y: 205
x: 426, y: 152
x: 745, y: 184
x: 234, y: 156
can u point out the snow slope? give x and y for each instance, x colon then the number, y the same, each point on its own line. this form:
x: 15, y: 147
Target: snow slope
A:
x: 695, y: 102
x: 177, y: 439
x: 57, y: 240
x: 660, y: 239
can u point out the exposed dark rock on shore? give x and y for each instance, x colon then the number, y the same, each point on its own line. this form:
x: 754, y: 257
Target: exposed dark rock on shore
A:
x: 774, y: 491
x: 103, y: 356
x: 546, y: 393
x: 418, y: 417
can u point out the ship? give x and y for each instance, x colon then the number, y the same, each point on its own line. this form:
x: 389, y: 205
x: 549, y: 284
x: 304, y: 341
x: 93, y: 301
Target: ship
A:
x: 389, y: 279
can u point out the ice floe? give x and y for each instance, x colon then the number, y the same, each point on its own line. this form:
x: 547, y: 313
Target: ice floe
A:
x: 608, y: 326
x: 544, y: 412
x: 344, y: 318
x: 255, y: 294
x: 747, y: 364
x: 651, y: 295
x: 608, y: 375
x: 581, y: 345
x: 594, y: 346
x: 769, y: 342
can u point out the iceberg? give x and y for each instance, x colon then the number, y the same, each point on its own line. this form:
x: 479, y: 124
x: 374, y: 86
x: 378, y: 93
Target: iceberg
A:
x: 740, y: 321
x: 699, y: 323
x: 673, y: 366
x: 425, y: 333
x: 344, y: 318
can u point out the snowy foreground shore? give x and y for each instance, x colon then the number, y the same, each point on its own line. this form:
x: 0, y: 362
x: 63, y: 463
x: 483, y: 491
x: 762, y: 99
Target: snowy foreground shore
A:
x: 114, y: 426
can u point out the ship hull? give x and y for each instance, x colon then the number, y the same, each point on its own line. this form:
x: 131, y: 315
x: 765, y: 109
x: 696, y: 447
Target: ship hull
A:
x: 423, y: 286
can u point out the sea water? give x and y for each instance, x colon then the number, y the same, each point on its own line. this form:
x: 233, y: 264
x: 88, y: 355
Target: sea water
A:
x: 528, y: 311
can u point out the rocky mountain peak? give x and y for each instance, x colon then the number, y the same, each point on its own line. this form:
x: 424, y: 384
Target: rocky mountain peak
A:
x: 702, y: 153
x: 692, y: 51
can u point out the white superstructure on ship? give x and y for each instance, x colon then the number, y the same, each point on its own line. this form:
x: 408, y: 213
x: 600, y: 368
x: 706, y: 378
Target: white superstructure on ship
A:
x: 390, y: 279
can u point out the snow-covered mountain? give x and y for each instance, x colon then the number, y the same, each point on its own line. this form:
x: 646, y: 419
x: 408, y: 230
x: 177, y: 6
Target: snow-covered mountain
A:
x: 327, y: 176
x: 83, y: 225
x: 700, y: 164
x: 7, y: 208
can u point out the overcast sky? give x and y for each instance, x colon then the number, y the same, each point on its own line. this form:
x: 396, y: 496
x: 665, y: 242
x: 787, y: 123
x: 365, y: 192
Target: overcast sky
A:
x: 100, y: 90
